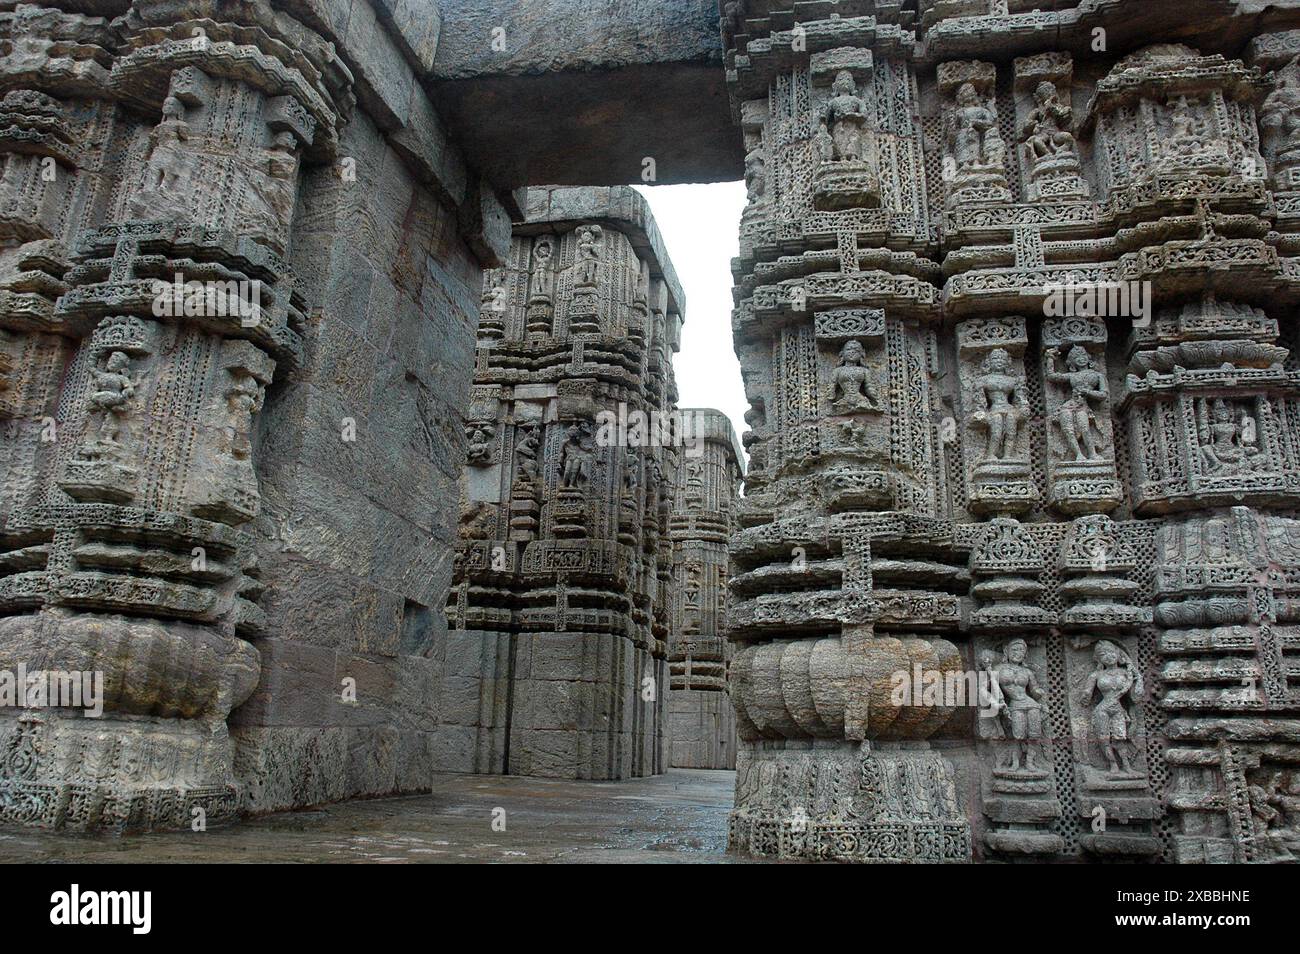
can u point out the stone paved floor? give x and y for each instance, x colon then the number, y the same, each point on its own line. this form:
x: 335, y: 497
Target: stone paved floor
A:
x: 678, y: 817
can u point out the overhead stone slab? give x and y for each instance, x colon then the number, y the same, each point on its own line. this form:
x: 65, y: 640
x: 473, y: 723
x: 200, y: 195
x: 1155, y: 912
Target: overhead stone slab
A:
x: 561, y: 91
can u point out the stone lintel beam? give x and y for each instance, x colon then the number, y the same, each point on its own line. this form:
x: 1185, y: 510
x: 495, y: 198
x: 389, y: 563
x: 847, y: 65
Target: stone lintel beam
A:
x: 568, y: 92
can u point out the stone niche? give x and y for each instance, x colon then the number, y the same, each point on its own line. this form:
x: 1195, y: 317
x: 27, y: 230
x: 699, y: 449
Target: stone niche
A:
x: 1016, y: 563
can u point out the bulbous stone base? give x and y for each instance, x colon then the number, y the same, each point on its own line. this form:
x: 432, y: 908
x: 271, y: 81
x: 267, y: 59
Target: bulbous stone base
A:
x: 140, y: 743
x: 832, y: 801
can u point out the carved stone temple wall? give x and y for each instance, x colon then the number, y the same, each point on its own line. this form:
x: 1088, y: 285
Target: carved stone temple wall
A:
x: 701, y: 719
x: 965, y: 464
x: 561, y: 606
x: 231, y: 503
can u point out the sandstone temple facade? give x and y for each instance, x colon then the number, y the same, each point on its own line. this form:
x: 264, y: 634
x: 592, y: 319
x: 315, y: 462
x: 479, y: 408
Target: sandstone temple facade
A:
x: 304, y: 358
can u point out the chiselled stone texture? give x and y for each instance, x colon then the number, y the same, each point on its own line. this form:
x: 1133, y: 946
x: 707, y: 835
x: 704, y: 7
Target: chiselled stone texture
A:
x: 1015, y: 312
x: 701, y: 719
x: 238, y: 274
x: 561, y: 606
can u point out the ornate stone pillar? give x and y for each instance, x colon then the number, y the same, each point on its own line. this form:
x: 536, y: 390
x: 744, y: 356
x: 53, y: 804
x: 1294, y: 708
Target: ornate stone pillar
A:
x: 702, y: 726
x: 1022, y: 410
x: 148, y: 324
x: 562, y: 601
x: 844, y: 566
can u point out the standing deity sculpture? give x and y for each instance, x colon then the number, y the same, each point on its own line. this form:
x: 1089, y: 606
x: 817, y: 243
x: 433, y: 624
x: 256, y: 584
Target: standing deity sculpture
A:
x: 1076, y: 416
x: 112, y: 392
x: 588, y: 254
x: 575, y: 458
x: 243, y: 400
x: 977, y: 142
x: 1115, y: 679
x: 1280, y: 122
x: 1002, y: 404
x: 851, y: 389
x: 1017, y: 699
x: 845, y: 116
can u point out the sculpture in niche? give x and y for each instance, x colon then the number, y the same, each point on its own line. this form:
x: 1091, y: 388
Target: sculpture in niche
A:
x: 1046, y: 131
x: 846, y: 176
x: 541, y: 290
x: 851, y: 391
x: 110, y: 402
x: 1275, y: 813
x: 169, y: 170
x: 1076, y: 417
x: 284, y: 160
x: 845, y: 117
x: 243, y: 400
x: 526, y: 454
x: 978, y: 144
x: 1116, y: 679
x: 477, y: 520
x: 480, y: 436
x: 755, y: 173
x: 1280, y: 119
x: 631, y: 477
x: 1228, y: 446
x: 1183, y: 124
x: 575, y: 458
x: 1005, y: 405
x: 588, y: 255
x: 1017, y: 701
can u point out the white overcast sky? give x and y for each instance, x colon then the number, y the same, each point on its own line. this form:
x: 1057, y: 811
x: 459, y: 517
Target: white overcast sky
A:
x: 700, y: 225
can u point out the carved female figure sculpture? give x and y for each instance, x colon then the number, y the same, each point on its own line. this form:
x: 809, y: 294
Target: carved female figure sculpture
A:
x: 1114, y: 678
x: 1023, y: 706
x: 1280, y: 119
x: 978, y: 142
x: 1046, y: 131
x: 588, y: 256
x: 575, y: 459
x: 845, y: 116
x: 851, y: 389
x: 1229, y: 447
x: 111, y: 397
x: 1005, y: 405
x: 480, y: 444
x: 1076, y: 417
x: 243, y: 400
